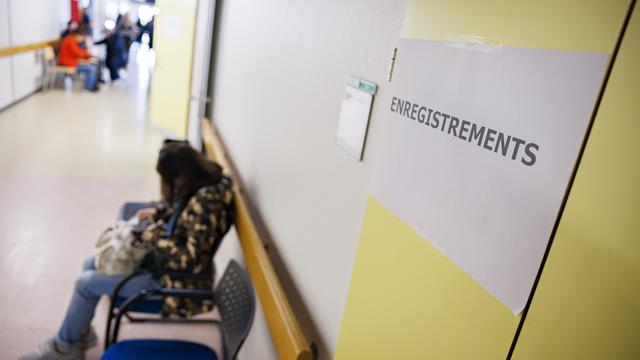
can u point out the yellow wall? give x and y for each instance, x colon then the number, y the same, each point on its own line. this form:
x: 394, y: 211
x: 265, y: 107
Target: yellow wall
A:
x: 173, y: 43
x: 587, y: 305
x: 408, y: 301
x: 578, y: 25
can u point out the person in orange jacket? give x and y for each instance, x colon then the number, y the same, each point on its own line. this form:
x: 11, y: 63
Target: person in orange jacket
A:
x: 72, y: 55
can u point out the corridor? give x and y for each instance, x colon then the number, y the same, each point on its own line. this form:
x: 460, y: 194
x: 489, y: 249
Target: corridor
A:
x: 68, y: 160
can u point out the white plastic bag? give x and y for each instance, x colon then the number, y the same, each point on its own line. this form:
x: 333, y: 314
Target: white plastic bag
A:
x: 118, y: 251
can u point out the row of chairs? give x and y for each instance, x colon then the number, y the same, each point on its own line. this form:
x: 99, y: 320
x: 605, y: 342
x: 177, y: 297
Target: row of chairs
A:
x: 233, y: 296
x: 53, y: 72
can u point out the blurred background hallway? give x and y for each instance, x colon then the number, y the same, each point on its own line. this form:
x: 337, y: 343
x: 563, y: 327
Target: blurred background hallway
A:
x: 68, y: 161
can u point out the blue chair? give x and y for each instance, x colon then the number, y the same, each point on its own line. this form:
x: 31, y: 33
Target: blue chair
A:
x: 236, y: 303
x: 152, y: 304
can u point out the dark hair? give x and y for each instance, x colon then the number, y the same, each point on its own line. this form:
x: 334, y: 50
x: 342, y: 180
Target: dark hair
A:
x: 178, y: 160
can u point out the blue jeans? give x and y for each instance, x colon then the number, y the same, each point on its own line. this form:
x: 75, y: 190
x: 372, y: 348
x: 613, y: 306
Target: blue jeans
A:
x: 90, y: 72
x: 90, y: 285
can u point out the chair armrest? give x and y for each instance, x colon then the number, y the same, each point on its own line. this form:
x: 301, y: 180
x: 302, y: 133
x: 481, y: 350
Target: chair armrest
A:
x: 183, y: 293
x: 176, y: 274
x: 184, y: 275
x: 145, y: 294
x: 149, y: 293
x: 112, y: 303
x: 122, y: 283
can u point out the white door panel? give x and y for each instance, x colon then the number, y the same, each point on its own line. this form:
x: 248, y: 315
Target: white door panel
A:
x: 200, y: 69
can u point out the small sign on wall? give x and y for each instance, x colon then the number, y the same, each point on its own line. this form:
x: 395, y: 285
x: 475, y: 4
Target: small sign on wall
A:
x: 354, y: 116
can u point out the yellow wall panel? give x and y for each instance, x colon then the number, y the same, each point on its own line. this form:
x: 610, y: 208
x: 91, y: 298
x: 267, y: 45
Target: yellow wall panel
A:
x: 577, y: 25
x: 171, y: 86
x: 587, y: 305
x: 408, y: 301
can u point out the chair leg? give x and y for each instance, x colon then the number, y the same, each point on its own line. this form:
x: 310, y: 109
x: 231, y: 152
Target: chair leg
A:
x: 81, y: 79
x: 50, y: 78
x: 56, y: 79
x: 107, y: 332
x: 45, y: 84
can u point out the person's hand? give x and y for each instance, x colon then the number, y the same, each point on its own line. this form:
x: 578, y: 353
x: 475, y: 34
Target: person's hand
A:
x: 145, y: 213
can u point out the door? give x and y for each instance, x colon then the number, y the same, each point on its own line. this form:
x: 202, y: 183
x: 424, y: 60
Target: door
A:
x: 171, y: 84
x: 200, y: 70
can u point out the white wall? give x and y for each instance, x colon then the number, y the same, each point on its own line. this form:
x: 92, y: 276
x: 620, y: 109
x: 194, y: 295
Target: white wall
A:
x: 4, y: 23
x: 37, y: 20
x: 6, y: 81
x: 22, y: 23
x: 6, y: 84
x: 281, y: 67
x: 27, y: 74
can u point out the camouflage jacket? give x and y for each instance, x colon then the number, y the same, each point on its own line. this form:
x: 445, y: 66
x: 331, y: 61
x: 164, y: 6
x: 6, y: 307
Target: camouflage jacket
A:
x: 197, y: 233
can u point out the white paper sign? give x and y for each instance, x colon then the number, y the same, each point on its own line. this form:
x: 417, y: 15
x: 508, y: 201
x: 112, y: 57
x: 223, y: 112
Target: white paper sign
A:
x: 477, y: 151
x: 354, y: 120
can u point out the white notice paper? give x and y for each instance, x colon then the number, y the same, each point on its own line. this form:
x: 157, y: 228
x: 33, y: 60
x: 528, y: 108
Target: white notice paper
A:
x: 477, y: 150
x: 354, y: 120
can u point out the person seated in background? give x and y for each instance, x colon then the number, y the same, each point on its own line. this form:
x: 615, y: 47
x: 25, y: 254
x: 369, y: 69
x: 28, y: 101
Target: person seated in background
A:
x: 185, y: 230
x: 71, y: 27
x: 72, y: 55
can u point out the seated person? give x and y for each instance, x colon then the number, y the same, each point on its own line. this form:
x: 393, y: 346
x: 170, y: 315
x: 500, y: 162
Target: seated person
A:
x: 72, y: 55
x: 197, y: 210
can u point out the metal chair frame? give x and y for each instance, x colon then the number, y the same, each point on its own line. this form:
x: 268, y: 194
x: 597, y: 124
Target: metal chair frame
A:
x: 116, y: 312
x: 230, y: 350
x: 128, y: 210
